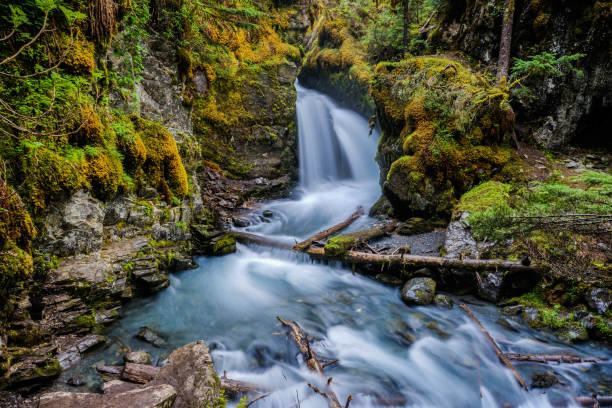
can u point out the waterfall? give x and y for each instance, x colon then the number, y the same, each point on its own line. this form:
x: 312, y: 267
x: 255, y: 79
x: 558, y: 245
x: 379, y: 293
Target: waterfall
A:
x: 334, y: 143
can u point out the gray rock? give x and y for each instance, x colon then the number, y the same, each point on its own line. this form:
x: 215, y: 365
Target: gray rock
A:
x: 419, y: 291
x: 150, y: 336
x: 490, y: 285
x: 599, y: 300
x: 137, y: 357
x: 200, y: 81
x: 170, y: 231
x: 443, y: 301
x: 543, y: 380
x: 117, y: 211
x: 191, y: 372
x: 268, y: 213
x: 603, y: 247
x: 74, y: 225
x: 241, y: 222
x: 572, y: 164
x: 287, y: 72
x: 76, y: 381
x: 153, y: 396
x: 459, y: 241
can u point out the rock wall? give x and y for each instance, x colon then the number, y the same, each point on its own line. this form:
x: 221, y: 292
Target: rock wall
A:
x: 567, y: 109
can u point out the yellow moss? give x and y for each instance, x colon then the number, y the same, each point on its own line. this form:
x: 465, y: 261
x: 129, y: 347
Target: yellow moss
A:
x: 103, y: 174
x: 80, y: 60
x: 15, y: 222
x: 91, y: 131
x: 163, y: 163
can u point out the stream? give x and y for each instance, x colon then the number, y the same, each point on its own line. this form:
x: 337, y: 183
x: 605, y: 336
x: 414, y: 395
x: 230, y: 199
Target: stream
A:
x: 390, y: 354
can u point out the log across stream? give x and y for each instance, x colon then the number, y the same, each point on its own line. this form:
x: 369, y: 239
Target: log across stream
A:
x: 389, y: 354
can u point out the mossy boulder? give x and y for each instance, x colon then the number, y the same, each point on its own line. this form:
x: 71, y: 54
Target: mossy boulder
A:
x: 223, y: 245
x: 337, y: 246
x: 419, y: 291
x: 438, y: 139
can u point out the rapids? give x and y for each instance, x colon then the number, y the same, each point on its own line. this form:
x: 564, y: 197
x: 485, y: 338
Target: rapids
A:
x: 231, y: 302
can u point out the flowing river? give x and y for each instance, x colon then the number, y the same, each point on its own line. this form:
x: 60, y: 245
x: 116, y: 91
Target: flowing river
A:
x: 389, y: 354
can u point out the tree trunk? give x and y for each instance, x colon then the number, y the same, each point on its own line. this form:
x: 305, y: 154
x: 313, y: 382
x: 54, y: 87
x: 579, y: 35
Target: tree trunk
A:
x: 503, y: 62
x: 553, y: 358
x: 324, y: 234
x: 406, y: 12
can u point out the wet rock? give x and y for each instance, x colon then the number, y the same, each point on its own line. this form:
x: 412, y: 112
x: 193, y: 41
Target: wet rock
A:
x: 170, y: 231
x: 76, y: 381
x: 433, y: 326
x: 137, y: 357
x: 381, y: 208
x: 287, y: 72
x: 74, y: 225
x: 489, y: 287
x: 31, y: 368
x: 418, y: 291
x: 268, y: 213
x: 154, y: 396
x: 150, y: 336
x: 599, y: 300
x: 444, y: 301
x: 215, y: 242
x: 543, y: 380
x: 531, y: 316
x: 513, y: 310
x: 388, y: 279
x: 590, y: 321
x: 603, y: 247
x: 147, y: 274
x: 507, y: 324
x: 117, y: 211
x: 572, y: 164
x: 191, y: 372
x: 414, y: 226
x: 575, y: 333
x: 241, y: 222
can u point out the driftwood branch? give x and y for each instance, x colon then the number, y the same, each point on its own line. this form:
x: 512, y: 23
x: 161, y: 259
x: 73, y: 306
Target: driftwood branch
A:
x: 502, y: 357
x: 301, y: 246
x: 553, y: 358
x: 247, y: 238
x: 139, y: 373
x: 312, y: 362
x: 233, y: 388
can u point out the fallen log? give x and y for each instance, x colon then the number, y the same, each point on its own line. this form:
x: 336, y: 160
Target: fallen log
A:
x: 364, y: 258
x: 301, y: 246
x: 247, y: 238
x: 139, y: 373
x: 597, y: 401
x: 312, y: 362
x: 553, y: 358
x: 500, y: 355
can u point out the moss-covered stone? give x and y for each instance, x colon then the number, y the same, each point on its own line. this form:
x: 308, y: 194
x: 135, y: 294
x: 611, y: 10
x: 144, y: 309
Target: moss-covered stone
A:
x: 337, y: 246
x: 438, y: 140
x: 224, y: 245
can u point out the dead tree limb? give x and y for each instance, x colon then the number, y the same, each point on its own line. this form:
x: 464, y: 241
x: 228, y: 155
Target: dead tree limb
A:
x: 498, y: 352
x: 596, y: 401
x: 361, y: 258
x: 233, y: 388
x: 301, y: 246
x: 246, y: 238
x: 254, y: 400
x: 553, y: 358
x: 312, y: 362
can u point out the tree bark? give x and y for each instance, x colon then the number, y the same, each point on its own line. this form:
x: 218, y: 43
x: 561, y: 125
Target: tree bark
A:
x: 553, y: 358
x: 406, y: 12
x: 247, y: 238
x: 500, y: 355
x: 233, y: 388
x: 598, y: 401
x: 503, y: 62
x: 324, y: 234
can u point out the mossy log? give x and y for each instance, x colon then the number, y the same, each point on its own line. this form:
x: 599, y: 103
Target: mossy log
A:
x: 233, y: 388
x: 337, y: 246
x: 363, y: 258
x: 301, y: 246
x: 553, y: 358
x: 247, y: 238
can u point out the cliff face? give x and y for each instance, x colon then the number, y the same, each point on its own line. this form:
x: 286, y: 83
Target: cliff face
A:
x: 567, y: 110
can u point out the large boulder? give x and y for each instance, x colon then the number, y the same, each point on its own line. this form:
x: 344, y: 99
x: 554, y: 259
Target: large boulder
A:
x: 191, y: 372
x: 419, y: 291
x: 74, y: 225
x: 153, y: 396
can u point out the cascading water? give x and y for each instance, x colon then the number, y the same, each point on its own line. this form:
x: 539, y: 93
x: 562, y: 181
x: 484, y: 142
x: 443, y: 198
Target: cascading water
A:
x: 390, y: 354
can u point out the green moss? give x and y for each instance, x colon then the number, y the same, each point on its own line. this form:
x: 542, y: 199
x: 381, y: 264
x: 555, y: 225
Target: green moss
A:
x: 50, y: 368
x: 224, y: 245
x: 484, y: 196
x: 338, y: 246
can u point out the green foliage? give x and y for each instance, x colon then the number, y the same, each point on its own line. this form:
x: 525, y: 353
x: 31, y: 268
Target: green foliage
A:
x: 483, y: 196
x: 546, y: 64
x: 499, y: 220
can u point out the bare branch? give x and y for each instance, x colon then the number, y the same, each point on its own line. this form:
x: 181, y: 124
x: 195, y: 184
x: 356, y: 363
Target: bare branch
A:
x: 32, y: 41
